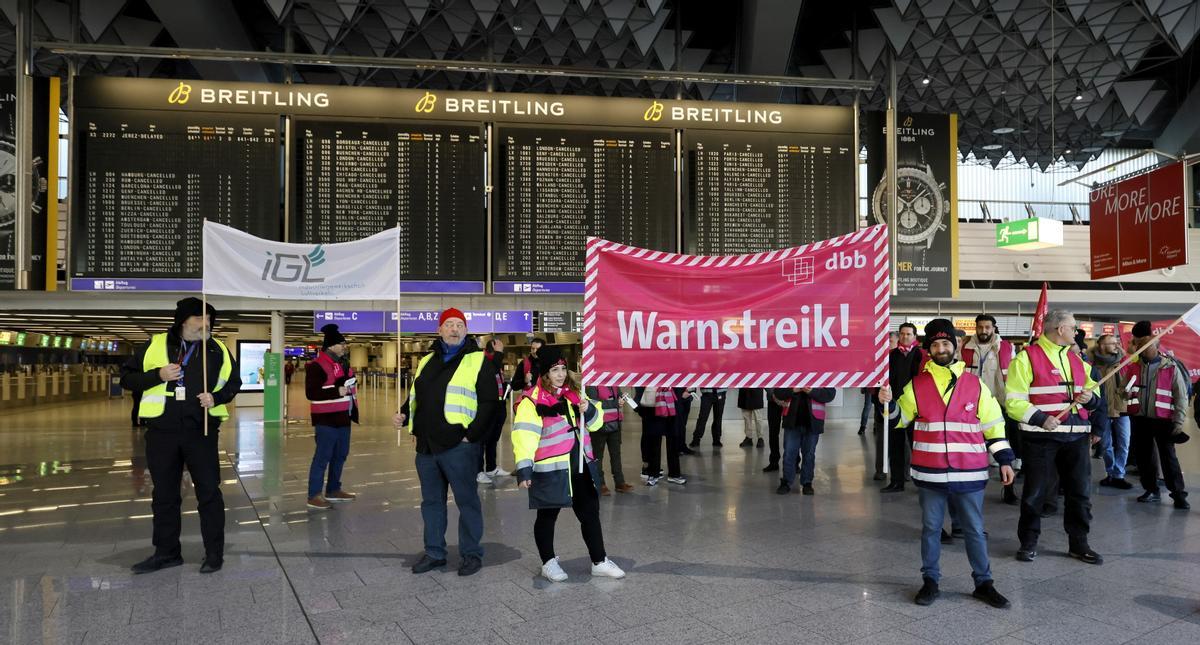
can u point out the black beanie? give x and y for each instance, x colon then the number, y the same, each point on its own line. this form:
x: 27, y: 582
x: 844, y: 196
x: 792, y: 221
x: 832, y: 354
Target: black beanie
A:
x: 193, y: 306
x: 940, y: 329
x: 1141, y: 329
x: 332, y: 336
x: 548, y: 357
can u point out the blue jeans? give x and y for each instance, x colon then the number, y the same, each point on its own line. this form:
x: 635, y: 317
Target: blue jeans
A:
x: 333, y: 446
x: 799, y: 442
x: 969, y: 508
x: 1114, y: 446
x: 456, y: 468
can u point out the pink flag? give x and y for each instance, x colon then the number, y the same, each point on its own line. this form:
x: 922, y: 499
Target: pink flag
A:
x: 808, y: 316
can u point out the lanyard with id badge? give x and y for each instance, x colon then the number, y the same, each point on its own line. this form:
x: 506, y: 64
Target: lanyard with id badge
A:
x: 180, y: 390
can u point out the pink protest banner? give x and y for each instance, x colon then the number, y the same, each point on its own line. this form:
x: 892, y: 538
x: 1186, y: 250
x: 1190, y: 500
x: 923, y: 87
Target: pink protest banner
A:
x: 808, y: 316
x: 1181, y: 342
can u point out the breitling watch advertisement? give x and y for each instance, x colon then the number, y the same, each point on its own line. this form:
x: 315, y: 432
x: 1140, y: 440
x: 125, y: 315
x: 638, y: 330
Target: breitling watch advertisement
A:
x: 927, y: 217
x: 8, y: 182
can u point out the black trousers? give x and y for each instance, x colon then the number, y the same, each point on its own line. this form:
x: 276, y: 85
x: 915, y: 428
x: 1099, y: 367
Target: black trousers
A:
x: 654, y: 430
x: 1046, y: 460
x: 709, y: 403
x: 774, y: 422
x: 133, y: 414
x: 899, y: 445
x: 586, y: 504
x: 487, y: 456
x: 683, y: 408
x: 167, y: 452
x: 1146, y: 435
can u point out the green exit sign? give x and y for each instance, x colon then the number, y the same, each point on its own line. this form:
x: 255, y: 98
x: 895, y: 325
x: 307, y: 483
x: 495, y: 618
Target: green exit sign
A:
x: 1029, y: 234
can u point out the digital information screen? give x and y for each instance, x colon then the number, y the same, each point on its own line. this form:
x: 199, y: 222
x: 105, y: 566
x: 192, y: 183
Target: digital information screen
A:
x: 147, y: 181
x: 748, y: 192
x: 354, y: 179
x: 557, y: 186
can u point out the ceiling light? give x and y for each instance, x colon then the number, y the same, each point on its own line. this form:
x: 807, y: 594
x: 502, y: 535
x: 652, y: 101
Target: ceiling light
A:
x: 1066, y: 152
x: 925, y: 81
x: 1112, y: 133
x: 992, y: 146
x: 1092, y: 149
x: 1078, y: 97
x: 1005, y: 130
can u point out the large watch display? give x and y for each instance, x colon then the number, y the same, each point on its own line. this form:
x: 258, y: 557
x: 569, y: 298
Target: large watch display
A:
x: 923, y: 206
x: 8, y: 186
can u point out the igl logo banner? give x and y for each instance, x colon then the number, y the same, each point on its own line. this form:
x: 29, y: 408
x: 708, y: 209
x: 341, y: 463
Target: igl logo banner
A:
x: 239, y: 264
x: 807, y: 316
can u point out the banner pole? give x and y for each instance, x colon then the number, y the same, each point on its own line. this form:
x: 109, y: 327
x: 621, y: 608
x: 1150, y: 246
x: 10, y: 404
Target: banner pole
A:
x: 204, y: 348
x: 399, y: 344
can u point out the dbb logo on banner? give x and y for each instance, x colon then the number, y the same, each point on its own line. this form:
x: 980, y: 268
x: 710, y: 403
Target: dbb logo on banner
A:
x: 807, y: 316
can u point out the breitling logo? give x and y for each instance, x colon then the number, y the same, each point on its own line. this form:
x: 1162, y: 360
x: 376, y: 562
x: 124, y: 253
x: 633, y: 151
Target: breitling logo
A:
x: 426, y: 103
x: 908, y: 122
x: 180, y: 95
x: 654, y: 112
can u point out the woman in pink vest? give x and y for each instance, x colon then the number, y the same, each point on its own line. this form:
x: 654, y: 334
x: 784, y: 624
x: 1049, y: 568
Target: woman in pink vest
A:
x: 331, y: 402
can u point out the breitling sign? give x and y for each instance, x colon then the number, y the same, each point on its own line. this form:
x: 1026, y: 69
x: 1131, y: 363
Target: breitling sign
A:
x: 926, y: 226
x: 499, y: 107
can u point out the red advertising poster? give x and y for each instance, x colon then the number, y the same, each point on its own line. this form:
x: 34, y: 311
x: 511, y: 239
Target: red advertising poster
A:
x: 1139, y: 224
x: 807, y: 316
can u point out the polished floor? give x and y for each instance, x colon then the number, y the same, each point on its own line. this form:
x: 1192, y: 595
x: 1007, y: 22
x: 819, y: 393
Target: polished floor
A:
x: 720, y: 560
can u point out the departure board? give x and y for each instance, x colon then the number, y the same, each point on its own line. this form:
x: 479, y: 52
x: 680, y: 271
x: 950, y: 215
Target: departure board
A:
x: 149, y: 179
x: 748, y: 192
x: 356, y: 178
x: 558, y: 186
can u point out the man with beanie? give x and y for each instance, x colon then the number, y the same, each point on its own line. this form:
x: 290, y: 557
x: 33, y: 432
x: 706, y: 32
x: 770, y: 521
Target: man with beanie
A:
x: 186, y: 378
x: 1114, y: 444
x: 1050, y: 394
x: 330, y: 386
x: 988, y: 356
x: 956, y: 423
x: 904, y: 363
x: 1158, y: 407
x: 449, y: 411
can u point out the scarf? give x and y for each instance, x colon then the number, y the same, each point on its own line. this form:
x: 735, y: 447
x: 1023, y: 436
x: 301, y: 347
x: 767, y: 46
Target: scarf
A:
x: 907, y: 348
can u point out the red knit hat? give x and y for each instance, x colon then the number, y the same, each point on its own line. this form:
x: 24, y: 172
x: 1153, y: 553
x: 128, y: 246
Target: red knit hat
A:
x: 451, y: 313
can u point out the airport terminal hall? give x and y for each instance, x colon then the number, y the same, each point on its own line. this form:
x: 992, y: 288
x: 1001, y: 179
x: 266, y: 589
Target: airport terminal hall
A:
x: 861, y: 322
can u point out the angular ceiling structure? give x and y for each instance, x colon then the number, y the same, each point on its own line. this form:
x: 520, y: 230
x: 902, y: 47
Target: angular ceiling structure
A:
x: 1069, y: 77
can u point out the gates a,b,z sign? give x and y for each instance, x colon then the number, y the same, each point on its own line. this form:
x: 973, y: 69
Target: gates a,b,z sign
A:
x: 808, y: 316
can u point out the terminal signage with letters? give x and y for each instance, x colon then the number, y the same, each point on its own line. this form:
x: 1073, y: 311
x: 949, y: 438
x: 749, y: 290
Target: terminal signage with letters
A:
x: 1140, y: 223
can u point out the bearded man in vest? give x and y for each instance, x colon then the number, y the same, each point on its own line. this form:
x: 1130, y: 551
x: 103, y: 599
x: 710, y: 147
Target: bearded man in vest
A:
x: 329, y: 385
x: 1158, y: 408
x: 1050, y: 393
x: 184, y: 405
x: 449, y: 412
x: 956, y: 423
x: 988, y: 356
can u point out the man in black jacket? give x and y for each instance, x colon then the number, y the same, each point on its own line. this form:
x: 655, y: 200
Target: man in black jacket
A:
x: 802, y: 427
x: 184, y: 405
x: 449, y: 411
x: 904, y: 363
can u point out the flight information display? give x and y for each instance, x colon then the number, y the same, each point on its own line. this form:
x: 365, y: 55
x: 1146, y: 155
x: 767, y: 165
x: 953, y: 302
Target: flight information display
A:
x: 558, y: 186
x: 148, y: 180
x: 748, y: 192
x: 356, y: 178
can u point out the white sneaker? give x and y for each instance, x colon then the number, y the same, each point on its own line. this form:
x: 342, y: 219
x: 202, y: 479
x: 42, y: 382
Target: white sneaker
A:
x: 554, y: 573
x: 499, y: 472
x: 606, y: 569
x: 483, y: 478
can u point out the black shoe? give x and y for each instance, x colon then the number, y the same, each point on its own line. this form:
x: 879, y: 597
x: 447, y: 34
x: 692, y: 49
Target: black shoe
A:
x: 1008, y: 495
x: 212, y: 564
x: 1049, y: 511
x: 470, y: 566
x: 928, y: 593
x: 688, y: 451
x: 784, y: 488
x: 746, y: 443
x: 760, y: 443
x: 947, y: 538
x: 892, y: 488
x: 694, y: 444
x: 1107, y: 481
x: 1027, y: 553
x: 879, y: 477
x: 1149, y: 498
x: 987, y: 593
x: 1181, y: 502
x: 808, y: 489
x: 862, y: 430
x: 1121, y: 484
x: 771, y: 468
x: 156, y: 562
x: 426, y: 564
x: 1084, y: 553
x: 718, y: 444
x: 956, y: 532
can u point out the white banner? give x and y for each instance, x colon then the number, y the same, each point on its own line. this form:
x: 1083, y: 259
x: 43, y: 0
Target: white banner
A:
x: 240, y: 264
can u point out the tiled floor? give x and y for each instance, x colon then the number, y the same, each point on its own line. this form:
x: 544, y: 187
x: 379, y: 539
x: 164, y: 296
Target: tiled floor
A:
x: 722, y: 560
